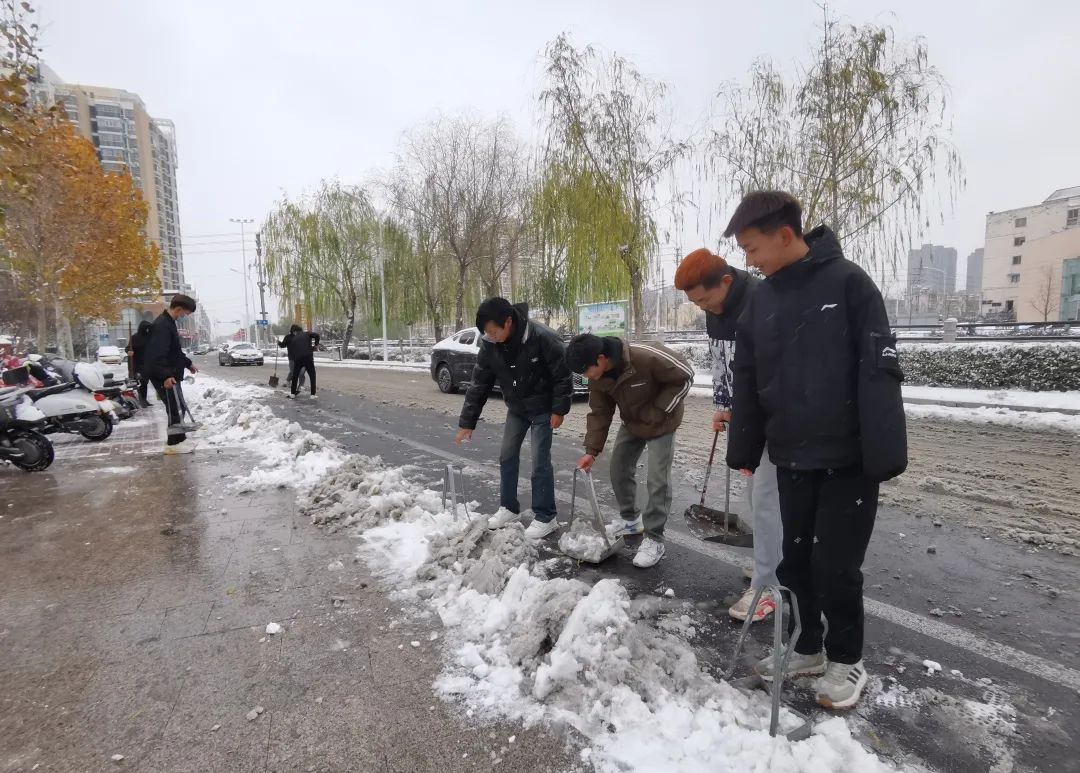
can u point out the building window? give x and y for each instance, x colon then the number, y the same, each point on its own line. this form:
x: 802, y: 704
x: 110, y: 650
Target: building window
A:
x: 1014, y: 279
x: 1008, y: 305
x: 1016, y: 260
x: 1072, y: 217
x: 1018, y: 240
x: 1021, y: 222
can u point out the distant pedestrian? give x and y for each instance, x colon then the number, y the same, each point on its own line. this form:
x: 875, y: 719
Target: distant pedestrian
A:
x: 301, y: 346
x: 647, y: 383
x: 137, y: 353
x: 165, y: 362
x: 817, y: 380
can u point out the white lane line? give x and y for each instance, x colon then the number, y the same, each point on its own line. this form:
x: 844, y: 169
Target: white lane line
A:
x: 1032, y: 665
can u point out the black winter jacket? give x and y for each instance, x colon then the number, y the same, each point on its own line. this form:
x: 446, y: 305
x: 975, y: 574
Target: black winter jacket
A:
x: 138, y: 343
x: 530, y: 368
x: 817, y: 375
x: 164, y: 357
x: 301, y: 346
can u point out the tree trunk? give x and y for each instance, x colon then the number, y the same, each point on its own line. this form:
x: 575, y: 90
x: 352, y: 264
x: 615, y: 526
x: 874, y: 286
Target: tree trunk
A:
x: 42, y: 326
x: 351, y: 317
x: 636, y: 281
x: 64, y: 345
x: 459, y: 302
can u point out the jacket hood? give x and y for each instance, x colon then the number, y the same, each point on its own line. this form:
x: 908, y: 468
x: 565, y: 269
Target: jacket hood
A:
x: 824, y: 246
x: 521, y: 322
x: 145, y: 327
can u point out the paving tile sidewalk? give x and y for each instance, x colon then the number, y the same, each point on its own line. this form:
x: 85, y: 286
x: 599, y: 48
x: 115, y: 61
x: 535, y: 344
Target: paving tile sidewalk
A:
x: 134, y: 594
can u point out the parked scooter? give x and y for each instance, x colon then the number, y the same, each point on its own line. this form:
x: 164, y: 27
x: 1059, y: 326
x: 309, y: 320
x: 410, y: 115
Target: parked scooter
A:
x: 74, y: 406
x: 21, y: 441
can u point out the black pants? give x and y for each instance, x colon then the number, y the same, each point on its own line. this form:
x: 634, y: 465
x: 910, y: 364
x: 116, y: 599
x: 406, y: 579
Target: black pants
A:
x: 828, y: 518
x: 299, y: 372
x: 172, y: 408
x: 144, y: 383
x: 308, y: 365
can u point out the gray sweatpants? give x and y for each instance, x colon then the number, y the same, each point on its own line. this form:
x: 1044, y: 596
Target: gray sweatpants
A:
x: 765, y: 523
x: 623, y: 466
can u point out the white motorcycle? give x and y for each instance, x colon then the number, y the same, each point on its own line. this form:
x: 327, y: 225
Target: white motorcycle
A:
x: 21, y: 441
x: 74, y: 406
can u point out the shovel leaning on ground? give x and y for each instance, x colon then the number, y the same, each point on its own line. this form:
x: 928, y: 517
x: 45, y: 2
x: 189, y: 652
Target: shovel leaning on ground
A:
x: 711, y: 525
x: 273, y: 377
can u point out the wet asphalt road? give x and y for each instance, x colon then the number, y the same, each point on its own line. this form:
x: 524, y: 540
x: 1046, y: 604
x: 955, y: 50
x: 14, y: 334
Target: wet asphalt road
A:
x: 1008, y: 638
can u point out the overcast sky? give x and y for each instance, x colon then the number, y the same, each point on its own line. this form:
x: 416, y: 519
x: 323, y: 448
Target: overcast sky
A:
x: 271, y: 96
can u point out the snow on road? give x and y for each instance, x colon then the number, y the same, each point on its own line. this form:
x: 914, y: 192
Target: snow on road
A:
x: 527, y: 646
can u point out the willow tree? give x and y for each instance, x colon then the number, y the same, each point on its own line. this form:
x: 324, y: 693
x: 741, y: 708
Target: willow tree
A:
x: 604, y: 123
x: 575, y: 228
x: 320, y: 252
x: 861, y: 137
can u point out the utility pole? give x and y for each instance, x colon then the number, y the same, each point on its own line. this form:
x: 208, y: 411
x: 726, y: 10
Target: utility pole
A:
x: 382, y: 292
x: 243, y: 252
x: 262, y: 282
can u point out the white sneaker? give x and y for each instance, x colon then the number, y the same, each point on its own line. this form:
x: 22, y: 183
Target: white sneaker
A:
x: 649, y: 553
x: 184, y: 447
x: 740, y: 610
x: 314, y: 397
x: 503, y: 517
x: 797, y: 665
x: 291, y: 396
x: 630, y: 528
x: 538, y: 529
x: 842, y: 685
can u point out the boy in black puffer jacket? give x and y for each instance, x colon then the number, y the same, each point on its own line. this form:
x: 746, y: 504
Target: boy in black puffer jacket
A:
x: 817, y: 379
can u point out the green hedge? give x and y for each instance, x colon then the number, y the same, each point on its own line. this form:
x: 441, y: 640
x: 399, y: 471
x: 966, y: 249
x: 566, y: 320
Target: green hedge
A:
x: 1039, y: 367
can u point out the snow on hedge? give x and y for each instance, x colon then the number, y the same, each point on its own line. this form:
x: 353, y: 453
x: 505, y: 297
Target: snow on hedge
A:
x: 1034, y: 366
x: 525, y: 645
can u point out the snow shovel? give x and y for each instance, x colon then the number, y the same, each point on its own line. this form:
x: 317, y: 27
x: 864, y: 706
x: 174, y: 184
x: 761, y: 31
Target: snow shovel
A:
x: 451, y: 477
x: 182, y: 427
x: 274, y: 381
x: 711, y: 525
x: 580, y: 552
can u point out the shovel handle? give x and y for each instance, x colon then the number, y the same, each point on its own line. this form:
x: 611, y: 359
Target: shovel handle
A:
x: 708, y: 469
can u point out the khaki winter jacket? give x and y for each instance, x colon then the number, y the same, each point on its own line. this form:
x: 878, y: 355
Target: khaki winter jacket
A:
x: 649, y: 394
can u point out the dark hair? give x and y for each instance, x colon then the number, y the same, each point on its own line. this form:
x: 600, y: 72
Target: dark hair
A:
x: 496, y: 310
x: 583, y: 352
x: 767, y: 211
x: 296, y: 329
x: 182, y: 301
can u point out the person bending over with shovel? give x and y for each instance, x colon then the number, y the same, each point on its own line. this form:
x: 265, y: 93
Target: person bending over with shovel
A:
x: 526, y: 358
x: 647, y: 383
x: 722, y: 292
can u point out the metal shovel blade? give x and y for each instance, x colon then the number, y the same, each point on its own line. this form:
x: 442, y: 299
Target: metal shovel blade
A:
x: 274, y: 381
x: 596, y: 520
x: 707, y: 523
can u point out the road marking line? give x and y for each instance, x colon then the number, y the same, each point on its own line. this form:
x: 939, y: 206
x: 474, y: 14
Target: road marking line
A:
x: 1030, y: 664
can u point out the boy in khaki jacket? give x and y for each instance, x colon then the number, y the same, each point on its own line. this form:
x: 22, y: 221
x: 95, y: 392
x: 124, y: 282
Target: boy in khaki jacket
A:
x: 647, y: 383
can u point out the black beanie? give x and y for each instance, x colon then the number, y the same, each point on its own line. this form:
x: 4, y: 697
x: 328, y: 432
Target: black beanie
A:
x: 583, y: 351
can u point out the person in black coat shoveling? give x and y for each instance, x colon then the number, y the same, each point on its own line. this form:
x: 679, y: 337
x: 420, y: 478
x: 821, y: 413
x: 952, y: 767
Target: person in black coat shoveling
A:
x: 137, y: 353
x: 817, y: 380
x: 165, y: 362
x: 301, y: 346
x: 526, y: 358
x: 284, y: 344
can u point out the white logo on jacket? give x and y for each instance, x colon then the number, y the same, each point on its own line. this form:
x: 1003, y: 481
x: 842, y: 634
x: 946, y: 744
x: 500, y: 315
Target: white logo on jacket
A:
x: 888, y: 351
x: 828, y: 306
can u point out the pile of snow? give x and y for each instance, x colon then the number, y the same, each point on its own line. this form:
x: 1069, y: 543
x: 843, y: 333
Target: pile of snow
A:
x: 527, y: 646
x: 282, y: 453
x: 1005, y: 417
x: 583, y: 542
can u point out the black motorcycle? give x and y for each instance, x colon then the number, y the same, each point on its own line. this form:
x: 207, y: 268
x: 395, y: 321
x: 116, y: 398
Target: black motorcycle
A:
x: 21, y: 441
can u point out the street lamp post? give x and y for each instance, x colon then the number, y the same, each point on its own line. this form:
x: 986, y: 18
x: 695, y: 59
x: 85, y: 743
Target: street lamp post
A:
x: 242, y: 221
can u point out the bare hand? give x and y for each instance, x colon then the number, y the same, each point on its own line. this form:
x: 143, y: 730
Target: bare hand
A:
x: 193, y: 369
x: 556, y: 421
x: 463, y: 435
x: 747, y: 473
x: 169, y: 383
x: 586, y: 462
x: 720, y: 420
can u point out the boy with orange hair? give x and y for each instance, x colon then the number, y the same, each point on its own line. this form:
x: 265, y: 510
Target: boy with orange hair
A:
x: 722, y: 292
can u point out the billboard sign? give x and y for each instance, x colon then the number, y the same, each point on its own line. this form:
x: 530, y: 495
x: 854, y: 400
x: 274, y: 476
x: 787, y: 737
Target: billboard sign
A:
x: 610, y: 318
